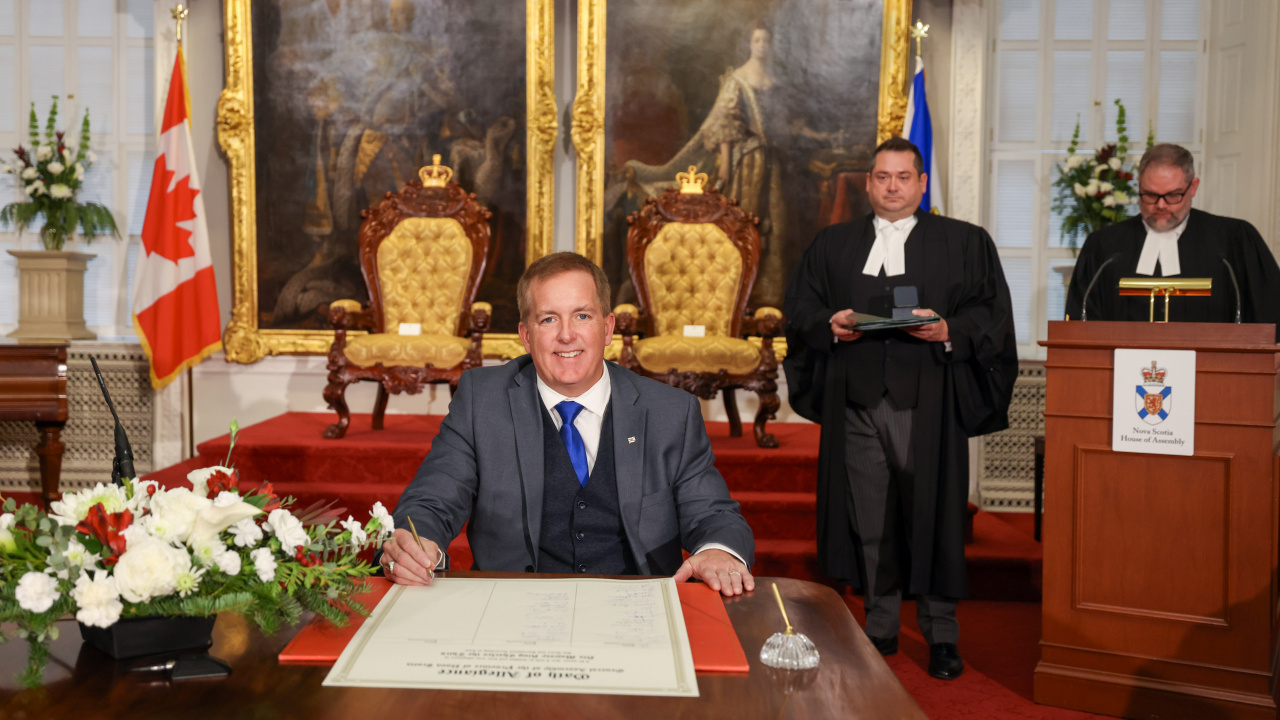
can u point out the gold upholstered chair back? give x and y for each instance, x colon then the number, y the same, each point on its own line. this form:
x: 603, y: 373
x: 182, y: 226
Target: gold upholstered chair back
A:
x: 693, y: 276
x: 422, y: 253
x: 692, y: 254
x: 423, y: 268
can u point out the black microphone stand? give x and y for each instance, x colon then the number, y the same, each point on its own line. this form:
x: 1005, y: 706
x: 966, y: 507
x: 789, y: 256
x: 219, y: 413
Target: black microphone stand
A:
x: 122, y: 464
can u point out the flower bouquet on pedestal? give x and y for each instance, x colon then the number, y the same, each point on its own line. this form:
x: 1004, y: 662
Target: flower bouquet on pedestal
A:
x: 1094, y: 191
x: 52, y: 172
x: 111, y: 554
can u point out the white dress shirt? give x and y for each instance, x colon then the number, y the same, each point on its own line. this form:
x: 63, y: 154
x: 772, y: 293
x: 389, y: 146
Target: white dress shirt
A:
x: 1162, y: 246
x: 589, y: 421
x: 888, y: 250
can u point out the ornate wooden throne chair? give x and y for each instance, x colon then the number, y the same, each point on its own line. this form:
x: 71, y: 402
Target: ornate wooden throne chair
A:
x: 422, y: 253
x: 693, y: 256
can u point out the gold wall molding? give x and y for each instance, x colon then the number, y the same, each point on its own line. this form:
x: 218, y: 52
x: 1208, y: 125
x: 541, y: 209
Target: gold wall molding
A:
x: 243, y: 339
x: 895, y: 54
x: 588, y: 128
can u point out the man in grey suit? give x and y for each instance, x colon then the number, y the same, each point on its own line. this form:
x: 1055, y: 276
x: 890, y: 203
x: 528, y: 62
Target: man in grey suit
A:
x: 564, y: 463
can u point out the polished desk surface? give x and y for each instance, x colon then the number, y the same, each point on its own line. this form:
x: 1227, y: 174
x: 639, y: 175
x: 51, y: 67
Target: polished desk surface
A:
x: 852, y: 681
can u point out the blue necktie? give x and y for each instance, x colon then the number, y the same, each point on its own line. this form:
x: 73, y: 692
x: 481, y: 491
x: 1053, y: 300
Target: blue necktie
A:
x: 573, y: 439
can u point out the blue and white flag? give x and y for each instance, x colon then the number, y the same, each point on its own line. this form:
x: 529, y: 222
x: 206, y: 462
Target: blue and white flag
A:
x: 919, y: 130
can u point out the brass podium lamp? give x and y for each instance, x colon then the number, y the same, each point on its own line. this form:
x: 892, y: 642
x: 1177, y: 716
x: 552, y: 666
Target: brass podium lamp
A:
x: 1165, y: 286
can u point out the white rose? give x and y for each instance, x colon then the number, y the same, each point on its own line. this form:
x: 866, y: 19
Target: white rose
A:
x: 1092, y: 188
x: 288, y: 529
x: 386, y: 525
x: 1106, y: 187
x: 30, y: 173
x: 73, y: 507
x: 1109, y: 201
x: 7, y: 520
x: 1121, y: 198
x: 56, y: 167
x: 173, y: 513
x: 199, y: 478
x: 1080, y: 190
x: 358, y: 535
x: 44, y: 152
x: 58, y: 191
x: 1074, y: 161
x: 36, y: 592
x: 264, y: 564
x: 98, y: 600
x: 79, y: 174
x: 246, y: 533
x: 150, y: 569
x: 229, y: 563
x: 7, y: 542
x: 1115, y: 163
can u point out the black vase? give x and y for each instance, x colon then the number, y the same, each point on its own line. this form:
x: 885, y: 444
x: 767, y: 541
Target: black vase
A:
x: 152, y: 635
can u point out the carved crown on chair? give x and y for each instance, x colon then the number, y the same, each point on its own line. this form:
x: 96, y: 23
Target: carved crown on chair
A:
x: 435, y: 174
x: 692, y: 182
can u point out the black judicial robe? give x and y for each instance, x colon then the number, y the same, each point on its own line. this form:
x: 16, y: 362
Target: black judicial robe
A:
x: 961, y: 394
x: 1202, y: 246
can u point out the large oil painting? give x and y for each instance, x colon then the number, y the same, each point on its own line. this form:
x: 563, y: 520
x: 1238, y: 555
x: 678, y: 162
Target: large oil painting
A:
x: 348, y: 99
x: 781, y: 102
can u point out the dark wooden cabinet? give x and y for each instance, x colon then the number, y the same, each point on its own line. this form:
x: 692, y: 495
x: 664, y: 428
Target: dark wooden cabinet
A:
x: 33, y: 387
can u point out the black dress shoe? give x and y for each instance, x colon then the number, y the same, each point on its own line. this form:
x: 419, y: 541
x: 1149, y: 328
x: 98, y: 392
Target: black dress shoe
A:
x: 944, y: 661
x: 887, y: 646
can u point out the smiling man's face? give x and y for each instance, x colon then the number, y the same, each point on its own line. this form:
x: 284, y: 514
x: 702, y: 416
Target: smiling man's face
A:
x: 566, y: 332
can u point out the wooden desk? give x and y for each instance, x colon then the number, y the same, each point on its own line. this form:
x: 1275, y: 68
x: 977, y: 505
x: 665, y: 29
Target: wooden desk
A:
x: 33, y: 386
x: 853, y: 681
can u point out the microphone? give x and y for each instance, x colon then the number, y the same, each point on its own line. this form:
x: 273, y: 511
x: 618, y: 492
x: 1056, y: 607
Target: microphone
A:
x: 1232, y: 272
x: 122, y: 464
x: 1084, y: 301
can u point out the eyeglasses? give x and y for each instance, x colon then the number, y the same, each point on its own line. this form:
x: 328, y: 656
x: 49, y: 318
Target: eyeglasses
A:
x: 1170, y: 198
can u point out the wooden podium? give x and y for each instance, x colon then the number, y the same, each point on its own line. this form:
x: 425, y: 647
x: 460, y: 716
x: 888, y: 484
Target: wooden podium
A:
x: 1160, y: 584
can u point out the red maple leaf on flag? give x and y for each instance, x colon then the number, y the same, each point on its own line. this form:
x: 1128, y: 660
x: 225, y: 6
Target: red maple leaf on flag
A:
x: 161, y: 234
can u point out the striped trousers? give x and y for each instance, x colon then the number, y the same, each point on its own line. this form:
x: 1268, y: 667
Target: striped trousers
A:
x: 880, y: 472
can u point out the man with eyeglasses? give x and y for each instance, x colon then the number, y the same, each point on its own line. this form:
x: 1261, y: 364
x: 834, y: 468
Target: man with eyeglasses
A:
x: 1171, y: 239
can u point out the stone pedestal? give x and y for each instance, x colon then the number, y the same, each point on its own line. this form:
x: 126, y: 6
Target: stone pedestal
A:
x: 51, y: 296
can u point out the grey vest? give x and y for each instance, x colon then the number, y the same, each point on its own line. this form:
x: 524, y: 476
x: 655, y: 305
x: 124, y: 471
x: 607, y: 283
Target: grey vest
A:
x: 581, y: 526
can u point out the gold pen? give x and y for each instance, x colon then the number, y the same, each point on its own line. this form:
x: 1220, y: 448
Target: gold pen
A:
x: 431, y: 572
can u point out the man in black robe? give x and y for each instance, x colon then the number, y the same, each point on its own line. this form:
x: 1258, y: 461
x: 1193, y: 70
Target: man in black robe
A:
x: 1171, y: 239
x: 897, y: 406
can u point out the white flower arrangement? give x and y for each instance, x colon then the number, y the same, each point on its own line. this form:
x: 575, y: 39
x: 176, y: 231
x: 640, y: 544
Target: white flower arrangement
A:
x: 133, y: 550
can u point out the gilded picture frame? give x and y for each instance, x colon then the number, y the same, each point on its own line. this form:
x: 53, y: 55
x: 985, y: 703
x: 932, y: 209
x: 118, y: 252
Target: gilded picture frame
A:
x: 600, y: 215
x: 245, y: 340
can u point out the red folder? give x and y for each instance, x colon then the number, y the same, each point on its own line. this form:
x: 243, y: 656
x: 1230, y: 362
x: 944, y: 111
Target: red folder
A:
x: 712, y: 639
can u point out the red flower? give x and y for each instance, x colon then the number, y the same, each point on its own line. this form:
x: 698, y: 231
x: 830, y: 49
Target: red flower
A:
x: 108, y: 529
x: 222, y: 481
x: 265, y: 489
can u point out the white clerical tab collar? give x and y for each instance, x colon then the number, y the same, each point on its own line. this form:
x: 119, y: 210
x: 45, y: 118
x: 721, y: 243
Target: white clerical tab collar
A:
x: 888, y: 251
x: 1162, y: 246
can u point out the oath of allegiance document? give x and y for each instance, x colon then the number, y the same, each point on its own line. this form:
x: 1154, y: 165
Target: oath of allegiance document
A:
x: 615, y: 637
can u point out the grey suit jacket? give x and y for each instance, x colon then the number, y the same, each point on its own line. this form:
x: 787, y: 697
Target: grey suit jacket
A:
x: 486, y: 466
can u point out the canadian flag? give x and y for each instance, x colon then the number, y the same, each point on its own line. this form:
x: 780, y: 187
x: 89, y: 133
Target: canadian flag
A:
x: 175, y: 300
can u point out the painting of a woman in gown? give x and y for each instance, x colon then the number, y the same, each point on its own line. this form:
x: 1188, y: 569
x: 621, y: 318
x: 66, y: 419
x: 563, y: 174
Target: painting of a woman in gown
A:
x: 740, y: 145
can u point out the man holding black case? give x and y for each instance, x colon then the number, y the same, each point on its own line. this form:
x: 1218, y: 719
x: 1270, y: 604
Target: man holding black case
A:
x: 897, y: 405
